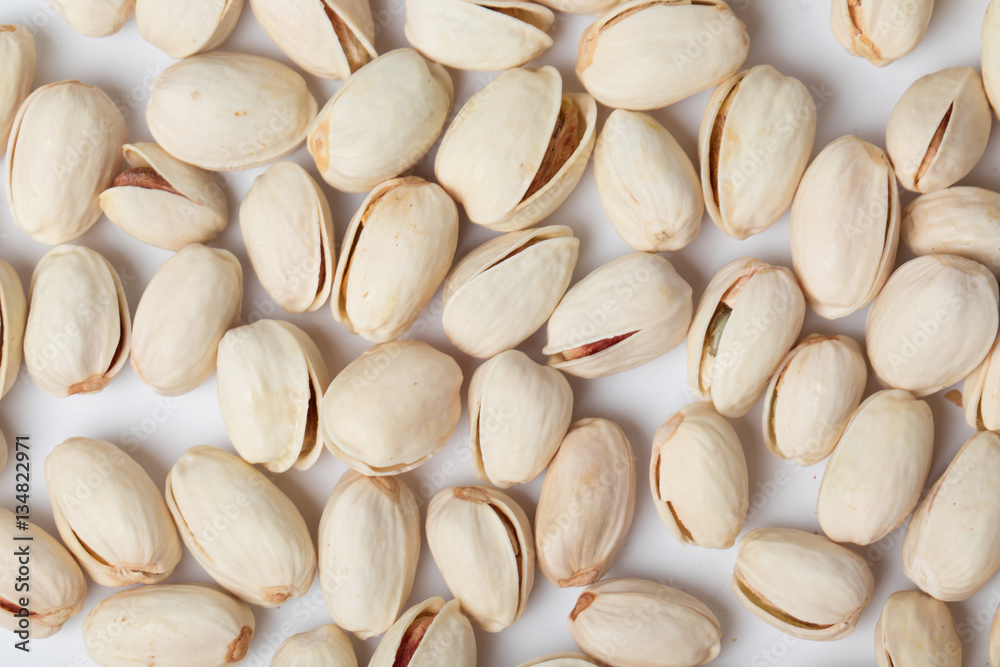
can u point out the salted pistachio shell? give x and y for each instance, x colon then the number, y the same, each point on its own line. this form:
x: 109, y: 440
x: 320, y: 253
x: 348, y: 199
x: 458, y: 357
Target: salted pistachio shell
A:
x: 17, y: 73
x: 13, y: 317
x: 271, y: 379
x: 586, y: 506
x: 482, y: 544
x: 432, y: 633
x: 182, y: 28
x: 565, y: 659
x: 991, y: 58
x: 503, y: 291
x: 916, y: 630
x: 880, y: 30
x: 95, y: 18
x: 678, y: 630
x: 960, y: 220
x: 226, y: 111
x: 54, y: 178
x: 326, y: 646
x: 189, y: 304
x: 396, y: 252
x: 517, y: 148
x: 932, y: 324
x: 801, y: 583
x: 981, y: 393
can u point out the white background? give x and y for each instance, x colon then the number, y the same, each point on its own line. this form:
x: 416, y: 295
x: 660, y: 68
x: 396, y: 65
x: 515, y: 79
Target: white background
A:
x: 853, y: 96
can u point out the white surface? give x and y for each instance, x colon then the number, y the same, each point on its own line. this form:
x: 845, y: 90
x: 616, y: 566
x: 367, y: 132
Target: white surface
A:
x: 853, y: 96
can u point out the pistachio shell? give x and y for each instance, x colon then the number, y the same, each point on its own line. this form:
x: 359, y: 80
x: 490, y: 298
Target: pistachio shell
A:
x: 880, y: 30
x: 981, y: 394
x: 17, y: 73
x: 3, y: 451
x: 13, y: 317
x: 429, y: 634
x: 182, y: 28
x: 960, y: 220
x: 95, y: 18
x: 915, y: 629
x: 582, y: 6
x: 994, y: 645
x: 559, y: 660
x: 326, y: 646
x: 991, y: 56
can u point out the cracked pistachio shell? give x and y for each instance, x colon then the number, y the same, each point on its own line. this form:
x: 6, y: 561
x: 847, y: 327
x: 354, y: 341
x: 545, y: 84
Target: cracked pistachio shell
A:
x: 991, y: 60
x: 58, y: 586
x: 78, y: 330
x: 189, y: 304
x: 54, y: 178
x: 381, y: 121
x: 226, y: 111
x: 392, y: 408
x: 747, y: 320
x: 182, y: 28
x: 244, y: 532
x: 643, y: 55
x: 503, y: 291
x: 95, y: 18
x: 880, y: 30
x: 17, y: 73
x: 271, y: 379
x: 13, y: 317
x: 396, y: 252
x: 952, y: 543
x: 677, y: 629
x: 932, y: 324
x: 981, y: 393
x: 586, y: 506
x: 915, y: 630
x: 110, y: 514
x: 369, y: 544
x: 482, y: 544
x: 960, y: 220
x: 845, y: 227
x: 432, y: 633
x: 326, y: 646
x: 619, y: 316
x: 811, y: 397
x: 801, y: 583
x: 517, y: 148
x: 875, y: 475
x: 565, y: 659
x: 938, y: 130
x: 754, y: 144
x: 287, y: 227
x: 169, y: 625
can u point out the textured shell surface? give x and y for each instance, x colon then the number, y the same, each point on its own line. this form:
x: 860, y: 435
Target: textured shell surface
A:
x: 17, y: 73
x: 326, y: 646
x: 559, y: 660
x: 880, y: 30
x: 915, y: 629
x: 95, y: 18
x: 960, y: 220
x: 13, y: 318
x: 991, y: 55
x: 182, y: 28
x: 431, y: 633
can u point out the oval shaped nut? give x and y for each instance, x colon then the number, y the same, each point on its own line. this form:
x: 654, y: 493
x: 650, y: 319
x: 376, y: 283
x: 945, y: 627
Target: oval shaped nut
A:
x: 636, y: 56
x: 206, y: 479
x: 110, y: 514
x: 754, y: 143
x: 271, y: 379
x: 78, y: 329
x: 173, y: 625
x: 17, y: 73
x: 326, y: 646
x: 747, y: 319
x: 396, y: 252
x: 845, y: 226
x: 482, y: 544
x: 801, y: 583
x: 960, y: 220
x: 991, y: 55
x: 188, y: 305
x: 586, y: 506
x: 915, y: 629
x: 392, y: 408
x: 811, y: 397
x: 55, y: 177
x: 874, y: 477
x: 932, y: 324
x: 678, y: 630
x: 226, y: 111
x: 517, y: 148
x: 650, y: 316
x: 880, y: 30
x: 428, y: 634
x: 504, y: 290
x: 186, y: 27
x: 981, y: 394
x: 559, y: 660
x: 13, y: 318
x: 95, y: 18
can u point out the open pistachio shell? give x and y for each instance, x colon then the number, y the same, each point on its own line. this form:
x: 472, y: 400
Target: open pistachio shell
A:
x: 13, y: 316
x: 182, y: 28
x: 880, y: 30
x: 95, y: 18
x: 431, y: 633
x: 17, y: 73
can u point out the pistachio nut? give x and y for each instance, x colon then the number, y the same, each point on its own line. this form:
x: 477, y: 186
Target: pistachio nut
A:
x: 169, y: 625
x: 637, y: 55
x: 381, y: 121
x: 482, y: 544
x: 811, y: 397
x: 54, y: 178
x: 58, y: 586
x: 271, y: 379
x: 95, y: 18
x: 78, y: 331
x: 262, y: 553
x: 586, y: 506
x: 802, y: 583
x: 17, y: 73
x: 991, y: 57
x: 938, y: 130
x: 110, y: 514
x: 326, y: 646
x: 504, y: 290
x: 933, y: 323
x: 677, y: 630
x: 565, y: 659
x: 429, y: 634
x: 392, y: 408
x: 755, y: 140
x: 396, y: 252
x: 288, y: 231
x: 163, y: 201
x: 915, y: 629
x: 747, y: 319
x: 880, y: 30
x: 960, y: 220
x: 13, y: 317
x: 981, y: 393
x: 875, y: 475
x: 519, y: 412
x: 182, y: 28
x: 646, y: 183
x: 369, y: 543
x: 188, y: 305
x: 619, y: 316
x: 952, y: 544
x: 517, y: 148
x: 226, y: 111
